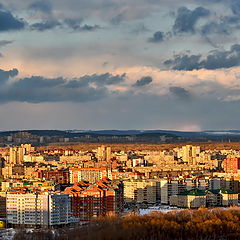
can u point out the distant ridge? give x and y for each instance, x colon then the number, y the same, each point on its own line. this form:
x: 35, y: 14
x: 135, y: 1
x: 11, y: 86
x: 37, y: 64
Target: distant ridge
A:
x: 184, y: 134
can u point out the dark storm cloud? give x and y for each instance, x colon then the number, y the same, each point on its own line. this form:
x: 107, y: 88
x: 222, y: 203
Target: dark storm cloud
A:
x: 215, y: 60
x: 38, y: 89
x: 38, y: 82
x: 179, y: 92
x: 73, y: 23
x: 143, y: 81
x: 43, y: 6
x: 76, y: 25
x: 186, y: 19
x: 224, y: 24
x: 87, y: 27
x: 53, y: 94
x: 8, y: 22
x: 70, y: 23
x: 184, y: 62
x: 98, y: 79
x: 157, y: 37
x: 46, y: 25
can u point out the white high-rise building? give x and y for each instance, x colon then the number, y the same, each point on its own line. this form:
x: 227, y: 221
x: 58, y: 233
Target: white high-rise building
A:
x: 38, y: 208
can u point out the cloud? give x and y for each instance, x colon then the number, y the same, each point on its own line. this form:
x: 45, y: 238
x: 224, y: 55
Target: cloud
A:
x: 212, y: 88
x: 117, y: 19
x: 184, y: 62
x: 87, y: 27
x: 98, y: 79
x: 46, y: 25
x: 38, y: 89
x: 235, y: 6
x: 5, y: 42
x: 157, y: 37
x: 8, y: 22
x: 38, y: 82
x: 44, y: 6
x: 186, y: 19
x: 76, y: 25
x: 5, y: 75
x: 222, y: 26
x: 231, y: 98
x: 179, y: 92
x: 139, y: 28
x: 215, y: 60
x: 71, y: 23
x: 215, y: 27
x: 143, y: 81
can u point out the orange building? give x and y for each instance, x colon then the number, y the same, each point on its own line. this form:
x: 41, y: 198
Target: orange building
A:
x: 231, y: 165
x: 59, y: 176
x: 99, y: 199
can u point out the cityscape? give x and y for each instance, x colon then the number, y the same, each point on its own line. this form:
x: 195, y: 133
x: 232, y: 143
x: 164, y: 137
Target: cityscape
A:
x: 52, y: 187
x: 119, y: 120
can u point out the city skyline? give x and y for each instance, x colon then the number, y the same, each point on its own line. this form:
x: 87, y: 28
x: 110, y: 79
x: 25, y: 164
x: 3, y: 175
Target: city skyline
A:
x: 110, y: 64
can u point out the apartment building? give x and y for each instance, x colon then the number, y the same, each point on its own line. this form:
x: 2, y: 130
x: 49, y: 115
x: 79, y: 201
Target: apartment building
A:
x: 174, y: 186
x: 194, y: 198
x: 229, y: 198
x: 99, y: 199
x: 88, y: 174
x: 140, y: 191
x: 231, y: 165
x: 36, y: 208
x: 169, y: 187
x: 58, y: 176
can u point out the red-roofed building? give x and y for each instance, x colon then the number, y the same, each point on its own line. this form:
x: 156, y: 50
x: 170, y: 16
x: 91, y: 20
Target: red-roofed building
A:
x: 93, y: 200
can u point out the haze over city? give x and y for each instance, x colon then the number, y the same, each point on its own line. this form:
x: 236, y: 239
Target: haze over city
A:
x: 110, y: 64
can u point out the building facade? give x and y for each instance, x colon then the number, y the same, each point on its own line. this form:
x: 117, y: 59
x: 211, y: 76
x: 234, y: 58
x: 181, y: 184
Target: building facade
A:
x: 45, y: 209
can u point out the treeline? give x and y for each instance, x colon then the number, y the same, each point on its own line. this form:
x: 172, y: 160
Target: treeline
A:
x: 204, y: 224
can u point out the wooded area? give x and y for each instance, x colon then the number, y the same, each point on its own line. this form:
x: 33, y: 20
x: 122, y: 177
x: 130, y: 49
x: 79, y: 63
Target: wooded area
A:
x: 180, y: 224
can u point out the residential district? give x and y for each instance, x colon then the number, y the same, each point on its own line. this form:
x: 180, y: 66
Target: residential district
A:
x: 58, y: 187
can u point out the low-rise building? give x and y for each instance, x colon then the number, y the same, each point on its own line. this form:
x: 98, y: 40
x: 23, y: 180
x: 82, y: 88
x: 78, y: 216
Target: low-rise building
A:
x: 194, y: 198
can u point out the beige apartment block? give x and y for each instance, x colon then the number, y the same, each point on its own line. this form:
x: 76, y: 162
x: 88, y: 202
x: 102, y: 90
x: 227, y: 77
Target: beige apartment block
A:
x: 165, y: 186
x: 190, y: 199
x: 229, y: 198
x: 140, y: 191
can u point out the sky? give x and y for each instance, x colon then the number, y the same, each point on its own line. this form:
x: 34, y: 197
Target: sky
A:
x: 120, y: 64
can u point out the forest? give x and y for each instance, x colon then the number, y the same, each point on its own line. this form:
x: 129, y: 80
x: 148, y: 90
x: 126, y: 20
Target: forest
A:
x: 204, y: 224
